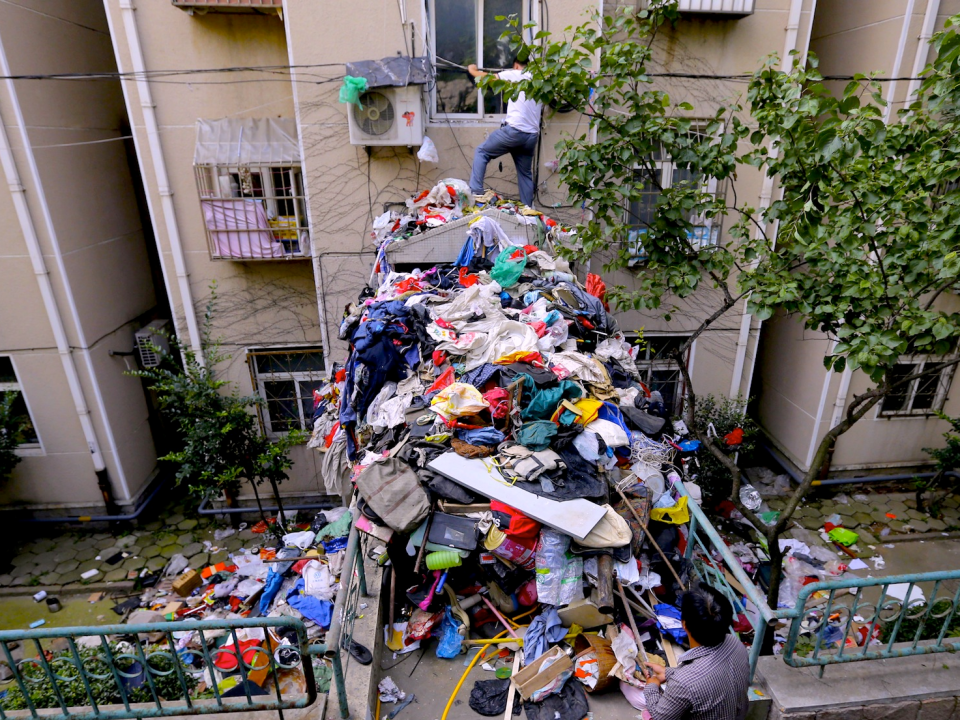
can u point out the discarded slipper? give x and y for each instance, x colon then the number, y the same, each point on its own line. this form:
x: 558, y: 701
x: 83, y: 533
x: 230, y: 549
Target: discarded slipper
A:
x: 360, y: 653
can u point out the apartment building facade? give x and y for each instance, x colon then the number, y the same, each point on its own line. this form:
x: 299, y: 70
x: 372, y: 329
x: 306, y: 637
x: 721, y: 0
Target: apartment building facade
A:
x: 798, y: 401
x: 256, y: 203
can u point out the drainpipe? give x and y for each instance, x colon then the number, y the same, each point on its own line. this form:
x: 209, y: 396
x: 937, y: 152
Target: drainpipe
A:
x: 127, y: 11
x: 923, y: 47
x: 898, y: 60
x: 315, y: 246
x: 40, y: 271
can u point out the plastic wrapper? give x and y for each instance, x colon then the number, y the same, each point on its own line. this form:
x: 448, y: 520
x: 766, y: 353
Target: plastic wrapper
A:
x: 428, y: 151
x: 551, y: 560
x: 450, y: 638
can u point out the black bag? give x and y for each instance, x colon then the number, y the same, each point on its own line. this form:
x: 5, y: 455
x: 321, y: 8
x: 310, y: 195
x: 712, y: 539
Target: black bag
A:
x: 453, y: 531
x: 569, y: 704
x: 489, y: 698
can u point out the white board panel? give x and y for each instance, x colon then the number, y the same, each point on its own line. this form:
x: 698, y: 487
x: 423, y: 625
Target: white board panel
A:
x: 576, y: 518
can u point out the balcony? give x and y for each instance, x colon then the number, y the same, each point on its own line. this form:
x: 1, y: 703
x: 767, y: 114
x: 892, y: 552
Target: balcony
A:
x: 230, y: 6
x: 717, y: 8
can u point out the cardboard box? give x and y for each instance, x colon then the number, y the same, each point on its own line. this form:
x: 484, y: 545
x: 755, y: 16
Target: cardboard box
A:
x: 187, y: 583
x: 530, y: 679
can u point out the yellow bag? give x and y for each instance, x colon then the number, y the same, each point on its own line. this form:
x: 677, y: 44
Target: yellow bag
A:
x: 676, y: 515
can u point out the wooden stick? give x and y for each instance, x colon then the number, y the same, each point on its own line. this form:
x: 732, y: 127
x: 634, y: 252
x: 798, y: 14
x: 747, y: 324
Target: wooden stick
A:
x: 423, y: 544
x: 633, y: 625
x: 511, y: 691
x: 649, y: 535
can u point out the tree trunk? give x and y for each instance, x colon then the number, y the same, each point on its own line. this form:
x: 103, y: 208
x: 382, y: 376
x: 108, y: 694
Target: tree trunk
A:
x: 231, y: 502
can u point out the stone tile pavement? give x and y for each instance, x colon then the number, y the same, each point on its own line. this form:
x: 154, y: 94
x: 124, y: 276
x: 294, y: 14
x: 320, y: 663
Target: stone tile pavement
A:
x: 63, y: 558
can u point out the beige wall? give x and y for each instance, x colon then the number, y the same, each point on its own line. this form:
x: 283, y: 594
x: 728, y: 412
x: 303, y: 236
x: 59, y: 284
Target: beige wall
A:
x: 93, y: 248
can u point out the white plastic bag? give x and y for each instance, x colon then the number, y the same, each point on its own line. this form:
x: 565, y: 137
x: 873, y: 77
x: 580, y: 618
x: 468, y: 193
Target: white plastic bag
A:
x: 302, y: 540
x: 428, y: 152
x: 317, y: 581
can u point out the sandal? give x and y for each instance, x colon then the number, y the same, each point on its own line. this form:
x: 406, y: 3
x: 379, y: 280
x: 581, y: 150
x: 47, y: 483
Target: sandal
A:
x: 360, y: 653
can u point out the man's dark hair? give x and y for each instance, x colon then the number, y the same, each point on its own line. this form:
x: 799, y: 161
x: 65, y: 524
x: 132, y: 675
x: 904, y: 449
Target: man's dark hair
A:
x: 707, y: 613
x: 521, y: 57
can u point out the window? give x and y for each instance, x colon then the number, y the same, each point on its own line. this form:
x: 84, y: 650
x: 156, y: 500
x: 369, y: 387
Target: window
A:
x: 465, y: 32
x: 10, y: 384
x: 285, y: 379
x: 661, y: 172
x: 920, y: 396
x: 659, y: 370
x: 253, y: 212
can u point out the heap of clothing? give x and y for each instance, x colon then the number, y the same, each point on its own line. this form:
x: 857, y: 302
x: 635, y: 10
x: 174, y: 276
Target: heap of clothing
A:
x: 506, y: 455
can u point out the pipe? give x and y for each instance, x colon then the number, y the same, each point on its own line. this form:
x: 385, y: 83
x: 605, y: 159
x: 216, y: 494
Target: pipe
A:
x: 923, y: 48
x: 204, y: 510
x: 148, y: 498
x: 127, y: 10
x: 898, y: 61
x: 788, y: 468
x: 40, y: 270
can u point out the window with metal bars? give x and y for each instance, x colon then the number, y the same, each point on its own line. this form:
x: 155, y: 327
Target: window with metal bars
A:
x: 658, y: 367
x: 286, y: 379
x: 921, y: 396
x: 254, y: 212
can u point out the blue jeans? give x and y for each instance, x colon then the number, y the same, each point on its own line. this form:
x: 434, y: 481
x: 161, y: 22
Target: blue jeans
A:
x: 520, y: 145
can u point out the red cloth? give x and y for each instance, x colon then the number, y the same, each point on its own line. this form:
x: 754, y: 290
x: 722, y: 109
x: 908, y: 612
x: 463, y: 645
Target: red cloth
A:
x: 227, y: 656
x: 498, y: 402
x: 520, y: 525
x: 597, y: 288
x: 443, y: 381
x: 466, y: 279
x: 734, y: 437
x: 439, y: 357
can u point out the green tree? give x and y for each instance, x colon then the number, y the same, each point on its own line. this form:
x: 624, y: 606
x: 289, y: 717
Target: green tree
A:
x: 861, y: 245
x: 222, y: 444
x: 13, y: 426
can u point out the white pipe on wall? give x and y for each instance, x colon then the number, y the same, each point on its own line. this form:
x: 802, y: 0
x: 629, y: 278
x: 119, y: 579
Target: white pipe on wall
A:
x: 923, y: 48
x: 57, y: 322
x: 127, y: 11
x: 891, y: 93
x: 19, y: 196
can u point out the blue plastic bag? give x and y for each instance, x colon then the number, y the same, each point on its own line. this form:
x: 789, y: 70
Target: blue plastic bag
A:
x: 450, y: 640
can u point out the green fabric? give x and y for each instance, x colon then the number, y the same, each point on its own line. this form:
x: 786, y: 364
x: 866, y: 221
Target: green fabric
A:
x: 323, y: 674
x: 336, y: 529
x: 540, y: 404
x: 843, y: 536
x: 351, y: 89
x: 506, y: 271
x: 536, y: 435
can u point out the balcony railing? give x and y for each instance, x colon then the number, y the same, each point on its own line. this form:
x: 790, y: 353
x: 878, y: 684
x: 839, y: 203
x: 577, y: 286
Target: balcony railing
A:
x: 253, y: 212
x: 729, y: 8
x: 247, y: 6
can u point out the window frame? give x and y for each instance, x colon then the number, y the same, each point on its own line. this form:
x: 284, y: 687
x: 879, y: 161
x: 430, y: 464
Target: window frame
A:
x: 667, y: 168
x: 29, y: 449
x: 648, y: 365
x: 945, y: 380
x: 435, y: 118
x: 259, y: 379
x: 207, y: 175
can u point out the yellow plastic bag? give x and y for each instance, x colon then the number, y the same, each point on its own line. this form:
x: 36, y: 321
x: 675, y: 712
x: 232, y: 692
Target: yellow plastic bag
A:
x: 676, y: 515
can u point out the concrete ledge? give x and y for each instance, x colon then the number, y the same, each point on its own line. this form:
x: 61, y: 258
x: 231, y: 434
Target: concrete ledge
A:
x: 920, y: 681
x: 71, y: 589
x: 914, y: 537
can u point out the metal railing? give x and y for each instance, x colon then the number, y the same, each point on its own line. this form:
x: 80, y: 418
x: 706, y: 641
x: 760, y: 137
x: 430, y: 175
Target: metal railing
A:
x: 82, y: 674
x: 899, y: 615
x: 113, y: 672
x: 896, y: 619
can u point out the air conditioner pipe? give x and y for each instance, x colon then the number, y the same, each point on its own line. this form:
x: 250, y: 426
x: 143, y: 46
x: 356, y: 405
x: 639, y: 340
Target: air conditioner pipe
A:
x: 861, y: 480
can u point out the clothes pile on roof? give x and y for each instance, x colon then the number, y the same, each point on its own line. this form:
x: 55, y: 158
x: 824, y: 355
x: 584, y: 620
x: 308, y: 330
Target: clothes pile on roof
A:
x: 291, y: 569
x: 510, y: 464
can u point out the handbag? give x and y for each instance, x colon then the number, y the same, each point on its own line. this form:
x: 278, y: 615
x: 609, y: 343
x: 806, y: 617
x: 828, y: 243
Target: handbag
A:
x: 453, y: 531
x: 393, y: 491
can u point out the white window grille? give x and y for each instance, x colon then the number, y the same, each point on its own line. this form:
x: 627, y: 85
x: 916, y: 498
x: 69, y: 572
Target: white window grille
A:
x: 285, y: 379
x: 730, y: 8
x: 660, y: 171
x: 10, y: 384
x: 659, y: 369
x: 251, y: 189
x: 465, y: 32
x: 921, y: 396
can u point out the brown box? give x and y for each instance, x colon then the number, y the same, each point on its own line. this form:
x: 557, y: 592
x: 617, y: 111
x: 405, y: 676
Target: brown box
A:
x: 187, y: 583
x: 530, y: 679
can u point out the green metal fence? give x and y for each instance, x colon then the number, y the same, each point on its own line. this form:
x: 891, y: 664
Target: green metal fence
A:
x: 112, y: 672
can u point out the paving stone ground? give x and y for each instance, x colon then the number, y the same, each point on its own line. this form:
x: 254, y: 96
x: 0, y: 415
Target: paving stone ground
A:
x: 61, y: 559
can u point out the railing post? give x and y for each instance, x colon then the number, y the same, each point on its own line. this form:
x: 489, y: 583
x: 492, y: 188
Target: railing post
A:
x: 341, y: 685
x: 361, y: 572
x: 688, y: 552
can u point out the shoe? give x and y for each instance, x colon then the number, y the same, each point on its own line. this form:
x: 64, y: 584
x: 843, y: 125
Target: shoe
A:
x: 360, y: 653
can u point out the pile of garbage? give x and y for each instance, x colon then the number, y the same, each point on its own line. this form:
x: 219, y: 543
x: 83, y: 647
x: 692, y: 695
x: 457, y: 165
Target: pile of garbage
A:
x: 292, y: 570
x: 512, y: 469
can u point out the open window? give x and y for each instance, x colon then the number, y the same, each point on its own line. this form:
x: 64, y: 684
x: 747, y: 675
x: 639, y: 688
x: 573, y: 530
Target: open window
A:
x: 251, y: 189
x: 659, y: 369
x: 655, y: 174
x: 285, y: 379
x: 464, y: 32
x: 10, y: 385
x: 923, y: 395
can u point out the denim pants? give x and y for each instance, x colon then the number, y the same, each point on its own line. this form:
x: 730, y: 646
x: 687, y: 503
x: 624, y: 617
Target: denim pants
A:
x: 520, y: 145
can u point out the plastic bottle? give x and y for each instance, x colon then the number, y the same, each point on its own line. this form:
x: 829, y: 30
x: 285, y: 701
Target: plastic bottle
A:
x: 443, y: 559
x: 749, y: 496
x: 551, y: 559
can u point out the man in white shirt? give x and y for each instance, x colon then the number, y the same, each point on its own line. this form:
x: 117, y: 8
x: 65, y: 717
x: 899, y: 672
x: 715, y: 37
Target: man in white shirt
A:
x: 517, y: 135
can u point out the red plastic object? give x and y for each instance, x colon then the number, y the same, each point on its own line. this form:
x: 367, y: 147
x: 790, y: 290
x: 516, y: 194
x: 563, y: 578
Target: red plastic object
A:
x: 598, y: 288
x: 466, y: 279
x: 445, y: 379
x: 734, y: 437
x: 228, y: 661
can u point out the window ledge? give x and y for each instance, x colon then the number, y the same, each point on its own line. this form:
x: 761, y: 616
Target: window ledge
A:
x: 435, y: 122
x: 29, y: 451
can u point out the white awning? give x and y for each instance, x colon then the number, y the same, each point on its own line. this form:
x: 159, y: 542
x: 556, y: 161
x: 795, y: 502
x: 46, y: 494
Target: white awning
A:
x: 247, y: 141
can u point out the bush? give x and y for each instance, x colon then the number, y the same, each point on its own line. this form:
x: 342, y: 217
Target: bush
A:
x: 726, y: 415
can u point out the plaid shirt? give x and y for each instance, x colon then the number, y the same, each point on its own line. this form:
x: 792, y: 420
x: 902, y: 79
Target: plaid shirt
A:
x: 709, y: 683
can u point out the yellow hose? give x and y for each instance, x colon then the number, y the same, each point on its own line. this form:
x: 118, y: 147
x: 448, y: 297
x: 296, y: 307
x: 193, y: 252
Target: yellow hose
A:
x: 507, y: 641
x: 476, y: 658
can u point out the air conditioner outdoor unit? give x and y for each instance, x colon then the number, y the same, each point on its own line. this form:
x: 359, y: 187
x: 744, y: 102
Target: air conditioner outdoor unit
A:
x: 154, y: 334
x: 391, y: 116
